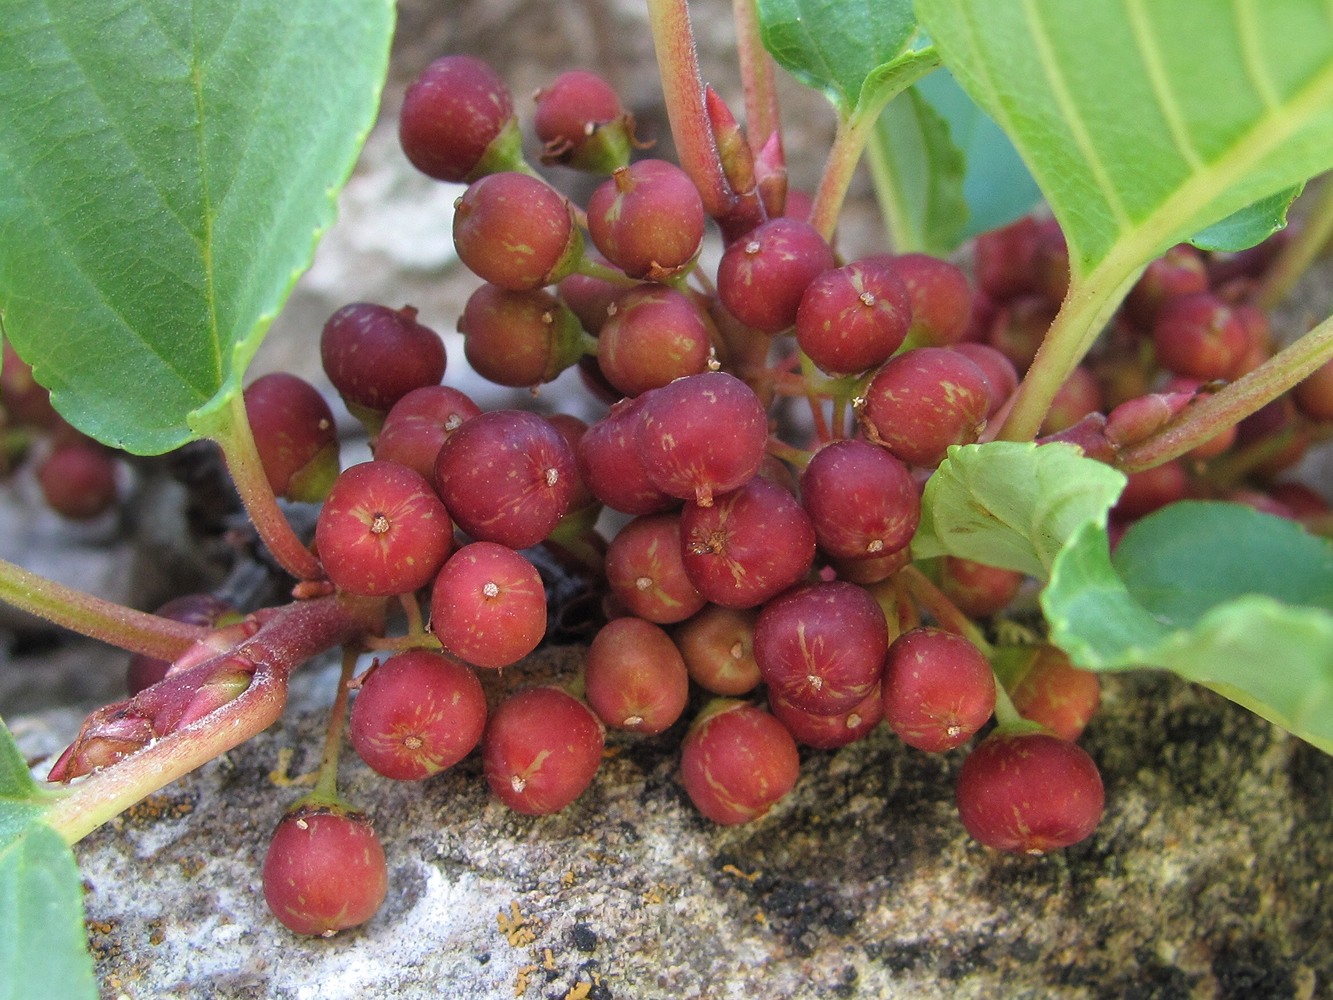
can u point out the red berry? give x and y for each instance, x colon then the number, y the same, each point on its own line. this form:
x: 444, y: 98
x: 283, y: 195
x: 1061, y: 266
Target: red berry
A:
x: 507, y: 476
x: 375, y: 355
x: 938, y: 689
x: 648, y: 219
x: 382, y: 531
x: 516, y: 231
x: 541, y: 750
x: 763, y: 275
x: 635, y: 677
x: 488, y: 605
x: 416, y: 714
x: 78, y: 479
x: 737, y: 761
x: 678, y: 441
x: 821, y: 646
x: 295, y: 434
x: 324, y: 871
x: 717, y: 644
x: 452, y: 115
x: 1029, y: 792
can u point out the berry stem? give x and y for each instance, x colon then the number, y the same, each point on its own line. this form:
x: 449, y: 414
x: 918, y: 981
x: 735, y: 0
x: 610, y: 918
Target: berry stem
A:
x: 1229, y: 405
x: 683, y: 91
x: 934, y: 600
x: 756, y: 65
x: 95, y: 617
x: 232, y: 434
x: 287, y: 637
x: 325, y: 791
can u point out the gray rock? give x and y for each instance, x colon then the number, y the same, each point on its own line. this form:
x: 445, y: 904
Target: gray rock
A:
x: 1207, y: 877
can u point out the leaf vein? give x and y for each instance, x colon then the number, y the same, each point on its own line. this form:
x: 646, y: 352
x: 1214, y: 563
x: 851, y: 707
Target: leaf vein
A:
x: 1073, y: 116
x: 1145, y: 38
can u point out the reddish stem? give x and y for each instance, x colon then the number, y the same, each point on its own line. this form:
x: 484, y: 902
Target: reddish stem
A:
x: 1204, y: 419
x: 94, y: 617
x: 762, y: 118
x: 288, y: 637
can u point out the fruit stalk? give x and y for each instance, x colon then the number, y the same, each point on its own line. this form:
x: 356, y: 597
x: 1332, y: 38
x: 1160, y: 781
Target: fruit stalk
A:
x: 1229, y: 405
x: 135, y: 631
x: 234, y: 437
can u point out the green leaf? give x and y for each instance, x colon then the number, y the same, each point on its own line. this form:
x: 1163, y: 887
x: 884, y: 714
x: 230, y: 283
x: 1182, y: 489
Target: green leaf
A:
x: 43, y: 945
x: 918, y: 175
x: 997, y: 187
x: 1220, y: 594
x: 1146, y: 122
x: 838, y: 47
x: 43, y: 950
x: 1251, y: 225
x: 165, y: 172
x: 1013, y: 504
x: 21, y: 798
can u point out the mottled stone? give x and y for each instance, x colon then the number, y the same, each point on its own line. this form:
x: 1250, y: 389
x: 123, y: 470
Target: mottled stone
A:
x: 1207, y: 877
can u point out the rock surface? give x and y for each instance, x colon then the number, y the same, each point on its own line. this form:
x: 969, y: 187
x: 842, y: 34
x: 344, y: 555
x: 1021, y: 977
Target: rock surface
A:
x: 1207, y: 878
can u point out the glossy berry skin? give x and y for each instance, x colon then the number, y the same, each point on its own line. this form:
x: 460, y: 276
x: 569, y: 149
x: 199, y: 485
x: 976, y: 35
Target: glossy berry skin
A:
x: 938, y: 689
x: 828, y: 732
x: 416, y: 714
x: 737, y: 761
x: 634, y: 676
x: 1199, y: 336
x: 976, y: 589
x: 861, y: 500
x: 821, y: 646
x: 519, y: 338
x: 382, y: 531
x: 610, y: 463
x: 1048, y: 689
x: 516, y: 231
x: 375, y: 355
x: 941, y: 298
x: 749, y: 546
x: 924, y: 400
x: 679, y: 443
x: 648, y: 219
x: 1029, y: 792
x: 451, y: 115
x: 763, y: 275
x: 488, y: 605
x: 295, y: 434
x: 853, y: 318
x: 541, y: 750
x: 507, y: 476
x: 582, y: 124
x: 325, y: 871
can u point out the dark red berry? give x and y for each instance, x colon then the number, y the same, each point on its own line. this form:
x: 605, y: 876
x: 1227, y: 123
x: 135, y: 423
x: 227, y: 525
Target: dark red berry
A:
x: 416, y: 714
x: 325, y: 870
x: 382, y: 530
x: 455, y: 114
x: 1029, y: 792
